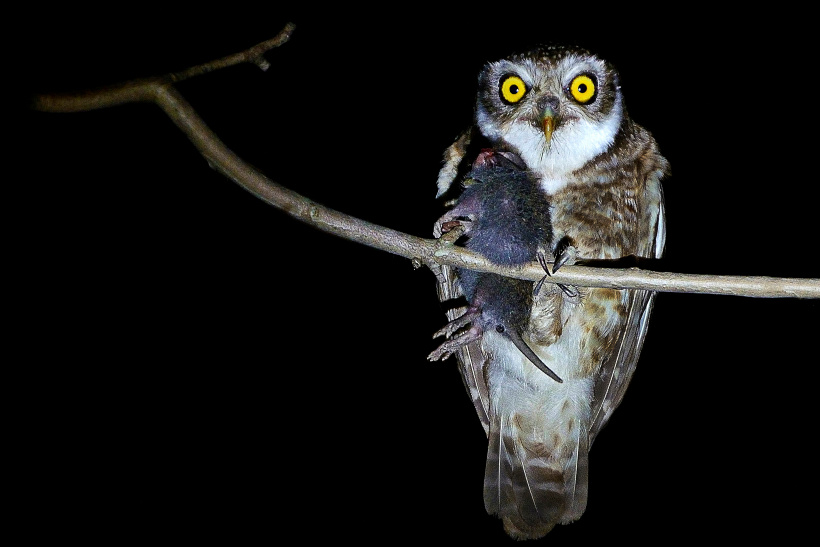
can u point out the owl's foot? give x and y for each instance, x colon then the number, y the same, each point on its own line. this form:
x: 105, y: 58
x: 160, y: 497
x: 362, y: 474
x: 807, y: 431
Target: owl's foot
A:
x: 564, y: 252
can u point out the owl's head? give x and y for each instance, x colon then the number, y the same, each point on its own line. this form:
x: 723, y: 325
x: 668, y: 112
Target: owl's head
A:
x: 556, y: 107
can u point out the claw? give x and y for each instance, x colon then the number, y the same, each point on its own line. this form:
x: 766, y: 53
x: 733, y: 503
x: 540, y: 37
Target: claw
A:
x: 564, y: 252
x: 543, y: 261
x: 569, y: 290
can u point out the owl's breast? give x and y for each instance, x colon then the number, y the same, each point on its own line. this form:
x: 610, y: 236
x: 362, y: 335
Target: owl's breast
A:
x: 603, y: 220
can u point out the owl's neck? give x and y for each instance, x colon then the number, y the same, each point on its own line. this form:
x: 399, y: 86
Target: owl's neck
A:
x: 564, y: 163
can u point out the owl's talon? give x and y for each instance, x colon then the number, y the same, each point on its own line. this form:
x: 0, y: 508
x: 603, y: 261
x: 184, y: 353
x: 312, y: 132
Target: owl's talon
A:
x: 565, y: 252
x: 543, y: 261
x: 562, y: 256
x: 570, y: 290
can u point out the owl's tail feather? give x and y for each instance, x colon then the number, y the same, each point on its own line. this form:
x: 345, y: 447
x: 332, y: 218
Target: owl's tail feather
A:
x: 532, y: 486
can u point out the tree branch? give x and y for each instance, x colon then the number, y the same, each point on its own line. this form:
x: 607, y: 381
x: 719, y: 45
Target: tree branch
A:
x: 432, y: 252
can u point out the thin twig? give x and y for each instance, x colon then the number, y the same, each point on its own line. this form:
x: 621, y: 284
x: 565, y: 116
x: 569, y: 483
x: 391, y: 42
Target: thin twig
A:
x: 253, y: 55
x: 432, y: 252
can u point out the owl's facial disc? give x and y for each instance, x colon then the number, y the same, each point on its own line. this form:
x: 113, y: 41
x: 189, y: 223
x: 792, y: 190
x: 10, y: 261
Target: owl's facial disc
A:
x: 557, y: 112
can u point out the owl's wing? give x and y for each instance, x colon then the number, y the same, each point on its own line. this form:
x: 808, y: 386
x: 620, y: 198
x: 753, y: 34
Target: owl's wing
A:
x: 617, y: 371
x: 452, y: 160
x: 471, y: 358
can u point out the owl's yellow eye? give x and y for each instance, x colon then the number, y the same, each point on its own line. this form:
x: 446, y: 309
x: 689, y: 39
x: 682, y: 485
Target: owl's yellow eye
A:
x: 512, y: 89
x: 583, y: 88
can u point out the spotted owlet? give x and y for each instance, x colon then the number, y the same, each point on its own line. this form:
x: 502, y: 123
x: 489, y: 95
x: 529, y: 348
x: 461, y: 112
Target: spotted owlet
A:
x: 558, y: 115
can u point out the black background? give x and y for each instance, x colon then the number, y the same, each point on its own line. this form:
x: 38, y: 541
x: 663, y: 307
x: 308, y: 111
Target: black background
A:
x: 197, y: 362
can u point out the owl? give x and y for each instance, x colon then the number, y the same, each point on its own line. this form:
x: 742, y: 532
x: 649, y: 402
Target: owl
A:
x: 560, y: 113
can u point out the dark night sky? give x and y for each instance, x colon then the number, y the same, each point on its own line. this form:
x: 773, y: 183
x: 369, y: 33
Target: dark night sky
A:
x: 197, y: 358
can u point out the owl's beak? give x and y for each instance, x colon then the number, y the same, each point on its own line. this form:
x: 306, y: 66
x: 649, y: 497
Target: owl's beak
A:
x: 549, y: 106
x: 548, y: 123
